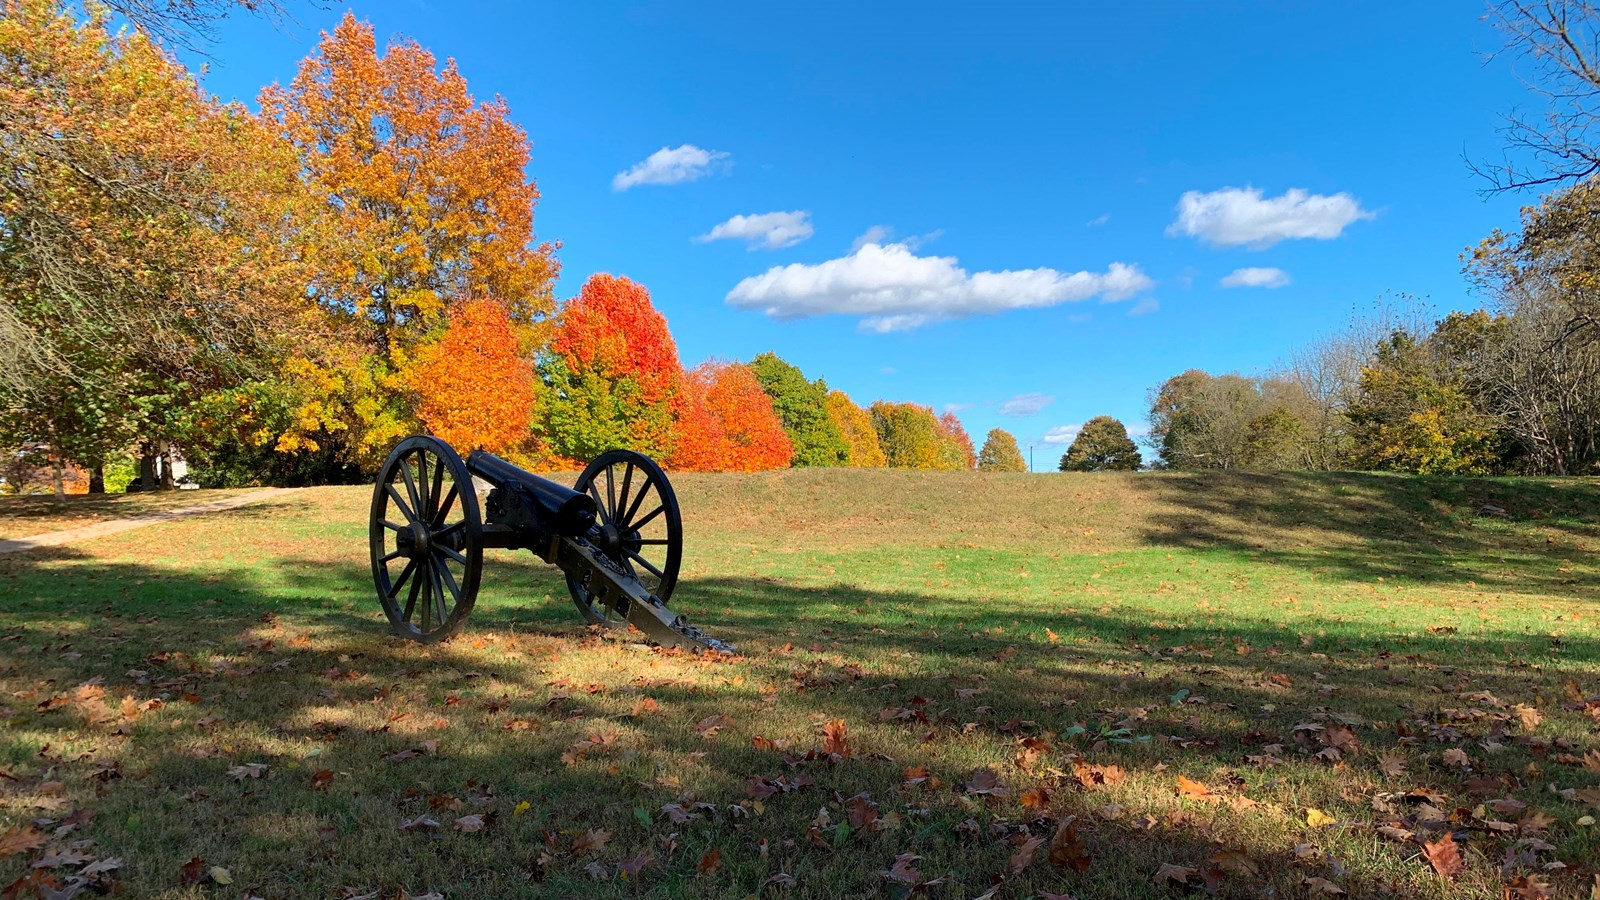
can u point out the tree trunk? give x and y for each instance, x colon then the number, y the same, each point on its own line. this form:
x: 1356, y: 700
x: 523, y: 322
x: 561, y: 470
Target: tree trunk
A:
x: 147, y: 468
x: 165, y: 451
x: 58, y: 477
x: 97, y: 479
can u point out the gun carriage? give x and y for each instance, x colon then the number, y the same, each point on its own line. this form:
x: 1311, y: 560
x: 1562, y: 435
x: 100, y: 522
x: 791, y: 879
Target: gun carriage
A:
x: 616, y: 534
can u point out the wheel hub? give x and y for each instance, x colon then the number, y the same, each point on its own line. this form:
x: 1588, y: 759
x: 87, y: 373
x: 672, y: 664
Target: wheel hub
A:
x: 414, y: 541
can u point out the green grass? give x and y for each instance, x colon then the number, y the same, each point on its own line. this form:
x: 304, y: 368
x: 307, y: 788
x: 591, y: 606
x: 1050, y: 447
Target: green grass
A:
x: 1169, y: 625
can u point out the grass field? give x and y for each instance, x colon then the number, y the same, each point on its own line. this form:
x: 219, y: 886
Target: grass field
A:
x: 951, y: 684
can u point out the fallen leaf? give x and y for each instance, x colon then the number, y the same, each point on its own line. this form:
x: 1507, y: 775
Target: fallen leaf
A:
x: 1170, y: 873
x: 247, y: 770
x: 1321, y: 886
x: 590, y: 841
x: 710, y: 725
x: 220, y: 875
x: 710, y: 862
x: 23, y: 838
x: 1444, y: 855
x: 473, y: 824
x: 192, y: 872
x: 1316, y: 818
x: 1024, y: 856
x: 1066, y: 848
x: 1195, y: 790
x: 984, y: 782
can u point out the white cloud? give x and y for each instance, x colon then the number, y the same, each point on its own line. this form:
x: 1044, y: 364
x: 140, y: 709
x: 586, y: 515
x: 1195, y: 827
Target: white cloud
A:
x: 671, y: 166
x: 1026, y: 404
x: 1255, y: 276
x: 1242, y: 216
x: 1098, y: 221
x: 896, y: 290
x: 956, y: 407
x: 1145, y: 307
x: 1061, y: 434
x: 771, y: 231
x: 877, y: 234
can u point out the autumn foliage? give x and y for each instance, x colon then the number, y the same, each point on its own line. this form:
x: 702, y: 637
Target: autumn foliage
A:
x: 855, y: 425
x: 427, y: 200
x: 283, y: 296
x: 731, y: 425
x: 472, y: 387
x: 611, y: 327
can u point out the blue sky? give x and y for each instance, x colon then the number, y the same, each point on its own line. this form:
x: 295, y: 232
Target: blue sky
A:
x: 916, y: 147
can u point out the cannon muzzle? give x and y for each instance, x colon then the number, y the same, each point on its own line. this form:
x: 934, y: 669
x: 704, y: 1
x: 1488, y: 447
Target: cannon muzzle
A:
x: 553, y: 508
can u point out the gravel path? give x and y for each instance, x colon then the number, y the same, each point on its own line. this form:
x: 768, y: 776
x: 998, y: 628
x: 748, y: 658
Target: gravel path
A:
x: 100, y: 529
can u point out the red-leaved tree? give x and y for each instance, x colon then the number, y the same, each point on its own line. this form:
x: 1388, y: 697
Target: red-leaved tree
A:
x: 613, y: 373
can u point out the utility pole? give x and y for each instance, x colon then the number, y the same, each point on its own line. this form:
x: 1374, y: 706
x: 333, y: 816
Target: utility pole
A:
x: 1030, y: 458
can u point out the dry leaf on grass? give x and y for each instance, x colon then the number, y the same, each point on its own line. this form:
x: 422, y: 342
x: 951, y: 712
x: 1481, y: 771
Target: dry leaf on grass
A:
x: 1445, y: 856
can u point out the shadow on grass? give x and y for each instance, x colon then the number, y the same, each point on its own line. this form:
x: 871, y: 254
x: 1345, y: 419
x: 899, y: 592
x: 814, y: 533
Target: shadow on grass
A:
x: 221, y: 644
x: 1361, y: 526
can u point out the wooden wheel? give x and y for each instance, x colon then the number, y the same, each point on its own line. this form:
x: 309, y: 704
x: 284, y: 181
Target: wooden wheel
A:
x: 427, y: 540
x: 639, y: 526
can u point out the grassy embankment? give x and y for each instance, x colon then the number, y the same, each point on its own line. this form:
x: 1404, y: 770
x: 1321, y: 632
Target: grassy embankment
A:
x: 1308, y: 649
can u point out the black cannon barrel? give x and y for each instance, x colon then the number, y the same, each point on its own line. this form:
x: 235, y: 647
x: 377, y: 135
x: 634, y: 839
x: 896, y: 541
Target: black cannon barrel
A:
x: 558, y: 508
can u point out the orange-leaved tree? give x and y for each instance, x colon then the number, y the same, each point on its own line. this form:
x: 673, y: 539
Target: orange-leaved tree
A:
x: 855, y: 425
x: 744, y: 433
x: 473, y: 388
x: 613, y: 374
x: 428, y: 200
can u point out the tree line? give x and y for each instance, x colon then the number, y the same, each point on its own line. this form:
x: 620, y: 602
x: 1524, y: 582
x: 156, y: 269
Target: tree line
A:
x: 281, y: 295
x: 1513, y: 388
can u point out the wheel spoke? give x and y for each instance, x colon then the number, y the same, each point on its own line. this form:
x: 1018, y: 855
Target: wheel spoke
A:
x: 433, y: 495
x: 423, y: 500
x: 599, y: 502
x: 611, y: 494
x: 443, y: 512
x: 652, y: 542
x: 637, y: 502
x: 411, y: 489
x: 449, y: 578
x: 438, y: 594
x: 400, y: 502
x: 398, y: 583
x: 392, y: 556
x: 450, y: 552
x: 411, y: 600
x: 391, y: 525
x: 645, y: 562
x: 622, y: 500
x: 427, y: 600
x: 635, y: 526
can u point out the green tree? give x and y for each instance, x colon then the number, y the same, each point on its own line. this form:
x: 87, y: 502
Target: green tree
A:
x: 1414, y: 415
x: 1000, y: 453
x: 908, y: 434
x: 802, y: 407
x: 1101, y: 445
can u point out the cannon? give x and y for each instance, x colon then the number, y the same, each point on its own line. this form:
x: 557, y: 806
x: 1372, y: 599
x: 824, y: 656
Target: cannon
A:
x: 616, y: 534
